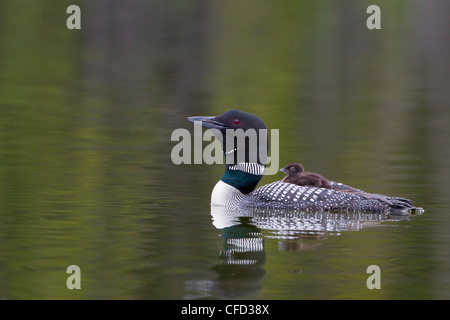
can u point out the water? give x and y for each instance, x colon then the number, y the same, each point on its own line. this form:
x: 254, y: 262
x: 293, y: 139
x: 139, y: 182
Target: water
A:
x: 85, y: 171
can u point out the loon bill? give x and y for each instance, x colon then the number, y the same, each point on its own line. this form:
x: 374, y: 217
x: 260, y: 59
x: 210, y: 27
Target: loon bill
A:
x: 237, y: 187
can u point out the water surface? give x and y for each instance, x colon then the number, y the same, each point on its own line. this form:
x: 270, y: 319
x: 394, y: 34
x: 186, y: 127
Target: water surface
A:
x: 86, y: 176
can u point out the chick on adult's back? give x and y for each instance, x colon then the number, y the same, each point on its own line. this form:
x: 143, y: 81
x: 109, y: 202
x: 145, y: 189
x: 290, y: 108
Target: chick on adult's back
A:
x: 296, y: 174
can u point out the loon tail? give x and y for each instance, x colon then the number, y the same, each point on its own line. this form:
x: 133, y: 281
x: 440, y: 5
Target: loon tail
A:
x: 403, y: 205
x: 396, y: 204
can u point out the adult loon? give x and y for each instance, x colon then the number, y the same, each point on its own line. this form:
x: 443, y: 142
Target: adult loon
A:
x: 236, y: 189
x: 295, y: 173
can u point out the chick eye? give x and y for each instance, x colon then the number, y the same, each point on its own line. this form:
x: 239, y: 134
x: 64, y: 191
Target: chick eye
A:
x: 236, y: 121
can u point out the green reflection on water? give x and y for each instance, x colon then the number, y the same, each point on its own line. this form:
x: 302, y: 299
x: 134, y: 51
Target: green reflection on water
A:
x: 86, y: 117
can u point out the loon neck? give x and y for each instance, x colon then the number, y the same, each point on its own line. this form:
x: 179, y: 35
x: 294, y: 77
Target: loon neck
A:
x: 243, y: 176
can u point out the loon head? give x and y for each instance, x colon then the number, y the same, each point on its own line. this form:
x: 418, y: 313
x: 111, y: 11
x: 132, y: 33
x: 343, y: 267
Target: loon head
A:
x: 292, y: 169
x: 245, y: 146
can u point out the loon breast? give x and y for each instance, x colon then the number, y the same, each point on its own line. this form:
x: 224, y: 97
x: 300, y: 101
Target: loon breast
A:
x: 226, y: 195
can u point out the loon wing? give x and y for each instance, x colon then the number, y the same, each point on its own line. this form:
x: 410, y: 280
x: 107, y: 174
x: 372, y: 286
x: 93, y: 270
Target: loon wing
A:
x: 339, y: 198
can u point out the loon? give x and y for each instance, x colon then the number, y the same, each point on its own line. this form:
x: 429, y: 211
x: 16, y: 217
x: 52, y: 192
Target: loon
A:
x: 297, y: 175
x: 237, y: 187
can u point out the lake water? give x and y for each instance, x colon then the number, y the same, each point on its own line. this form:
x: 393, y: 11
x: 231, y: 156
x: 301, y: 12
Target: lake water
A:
x: 86, y: 176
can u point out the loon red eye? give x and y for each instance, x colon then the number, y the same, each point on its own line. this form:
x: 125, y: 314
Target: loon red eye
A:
x: 236, y: 121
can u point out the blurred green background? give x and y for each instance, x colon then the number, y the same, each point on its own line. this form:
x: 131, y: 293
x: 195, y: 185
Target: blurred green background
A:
x: 86, y: 118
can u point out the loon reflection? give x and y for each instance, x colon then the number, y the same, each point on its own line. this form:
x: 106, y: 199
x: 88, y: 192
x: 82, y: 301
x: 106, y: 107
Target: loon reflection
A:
x: 296, y: 224
x: 242, y: 256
